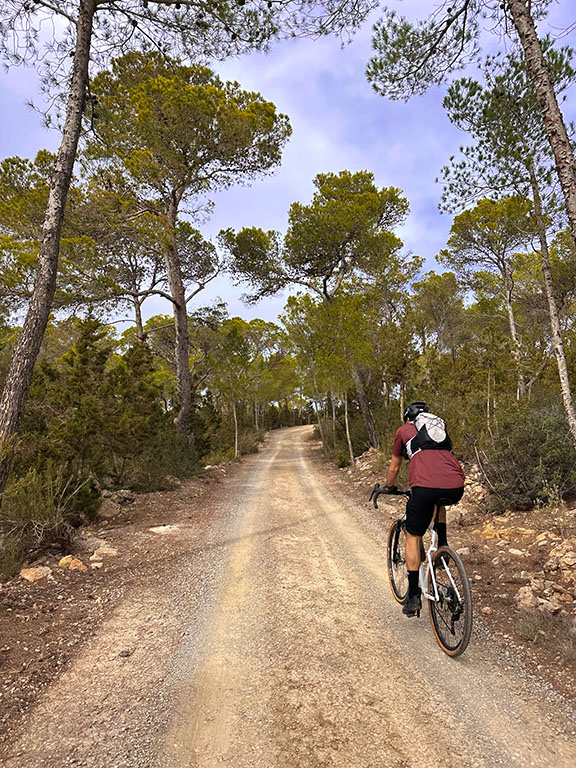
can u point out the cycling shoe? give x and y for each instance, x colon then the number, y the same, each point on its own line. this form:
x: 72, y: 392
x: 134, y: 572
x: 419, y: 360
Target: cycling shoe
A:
x: 412, y: 606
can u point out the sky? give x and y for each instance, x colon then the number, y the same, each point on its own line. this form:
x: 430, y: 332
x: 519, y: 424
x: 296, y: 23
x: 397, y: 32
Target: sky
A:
x: 338, y: 123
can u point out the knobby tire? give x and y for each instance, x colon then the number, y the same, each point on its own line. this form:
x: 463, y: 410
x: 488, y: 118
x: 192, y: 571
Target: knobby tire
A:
x: 397, y: 573
x: 451, y: 618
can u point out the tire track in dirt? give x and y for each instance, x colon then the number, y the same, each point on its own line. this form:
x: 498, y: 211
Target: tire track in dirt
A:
x: 210, y: 702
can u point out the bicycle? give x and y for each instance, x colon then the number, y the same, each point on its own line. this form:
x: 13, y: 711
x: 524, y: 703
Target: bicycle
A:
x: 443, y: 580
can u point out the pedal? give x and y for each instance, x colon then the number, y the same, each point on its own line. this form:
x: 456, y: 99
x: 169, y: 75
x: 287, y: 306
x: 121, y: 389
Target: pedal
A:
x: 418, y: 614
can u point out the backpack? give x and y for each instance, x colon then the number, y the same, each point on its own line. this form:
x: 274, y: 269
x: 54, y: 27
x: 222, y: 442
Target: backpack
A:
x: 431, y: 435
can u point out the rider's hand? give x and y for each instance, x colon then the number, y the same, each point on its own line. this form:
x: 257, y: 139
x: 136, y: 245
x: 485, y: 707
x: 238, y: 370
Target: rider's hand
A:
x: 391, y: 488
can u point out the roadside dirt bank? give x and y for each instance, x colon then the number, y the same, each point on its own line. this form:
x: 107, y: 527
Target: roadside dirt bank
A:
x: 260, y: 631
x: 45, y: 625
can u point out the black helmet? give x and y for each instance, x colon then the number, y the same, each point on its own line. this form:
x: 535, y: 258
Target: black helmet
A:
x: 414, y: 409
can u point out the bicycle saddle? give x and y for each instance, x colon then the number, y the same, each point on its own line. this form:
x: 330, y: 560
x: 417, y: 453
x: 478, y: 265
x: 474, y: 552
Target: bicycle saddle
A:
x: 445, y: 502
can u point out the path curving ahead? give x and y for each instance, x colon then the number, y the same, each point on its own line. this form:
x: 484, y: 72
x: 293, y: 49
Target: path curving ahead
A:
x: 277, y: 643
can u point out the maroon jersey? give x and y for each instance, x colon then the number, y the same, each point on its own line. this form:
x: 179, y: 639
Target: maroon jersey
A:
x: 429, y: 468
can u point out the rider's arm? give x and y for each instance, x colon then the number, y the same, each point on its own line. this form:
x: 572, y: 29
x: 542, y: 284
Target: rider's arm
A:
x: 393, y: 470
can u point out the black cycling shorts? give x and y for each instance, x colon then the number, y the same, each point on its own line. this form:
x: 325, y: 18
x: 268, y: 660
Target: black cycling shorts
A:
x: 420, y: 506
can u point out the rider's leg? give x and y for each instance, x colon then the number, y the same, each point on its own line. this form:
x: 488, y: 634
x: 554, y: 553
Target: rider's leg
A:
x: 413, y: 551
x: 413, y: 544
x: 441, y: 527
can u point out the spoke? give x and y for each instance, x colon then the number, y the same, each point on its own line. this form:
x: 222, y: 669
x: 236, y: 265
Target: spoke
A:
x: 441, y: 617
x: 445, y: 613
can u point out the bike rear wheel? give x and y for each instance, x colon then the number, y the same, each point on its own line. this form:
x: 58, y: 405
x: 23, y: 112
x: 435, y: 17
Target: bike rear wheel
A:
x: 397, y: 572
x: 451, y: 614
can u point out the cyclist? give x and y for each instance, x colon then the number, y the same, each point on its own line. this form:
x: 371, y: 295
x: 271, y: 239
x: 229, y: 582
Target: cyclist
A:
x: 433, y: 474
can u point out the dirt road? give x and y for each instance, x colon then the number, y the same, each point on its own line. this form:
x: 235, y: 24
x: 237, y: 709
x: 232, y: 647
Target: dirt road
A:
x: 275, y: 642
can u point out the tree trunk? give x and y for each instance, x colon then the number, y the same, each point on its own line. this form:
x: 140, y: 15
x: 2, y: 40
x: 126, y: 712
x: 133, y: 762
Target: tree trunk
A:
x: 402, y: 396
x: 318, y: 414
x: 332, y: 400
x: 235, y: 431
x: 369, y: 422
x: 553, y: 118
x: 488, y: 396
x: 552, y: 308
x: 348, y: 440
x: 256, y: 415
x: 29, y: 342
x: 181, y: 346
x: 140, y: 335
x: 520, y: 387
x: 319, y: 419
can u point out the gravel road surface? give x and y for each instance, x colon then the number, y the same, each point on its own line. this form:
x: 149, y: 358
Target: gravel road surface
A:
x: 275, y: 643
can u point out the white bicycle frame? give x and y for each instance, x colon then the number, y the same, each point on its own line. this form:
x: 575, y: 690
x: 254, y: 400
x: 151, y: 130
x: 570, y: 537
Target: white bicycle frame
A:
x: 428, y: 571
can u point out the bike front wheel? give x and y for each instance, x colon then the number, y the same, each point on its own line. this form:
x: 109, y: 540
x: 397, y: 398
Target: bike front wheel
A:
x: 397, y: 572
x: 451, y: 614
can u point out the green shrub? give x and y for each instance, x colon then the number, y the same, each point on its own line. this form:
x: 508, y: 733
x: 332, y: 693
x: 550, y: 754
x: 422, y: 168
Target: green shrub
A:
x: 248, y: 441
x: 42, y: 508
x: 341, y: 456
x: 171, y: 454
x: 11, y: 555
x: 217, y: 456
x: 531, y: 458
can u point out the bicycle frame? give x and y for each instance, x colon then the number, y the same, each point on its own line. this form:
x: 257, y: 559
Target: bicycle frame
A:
x: 427, y: 572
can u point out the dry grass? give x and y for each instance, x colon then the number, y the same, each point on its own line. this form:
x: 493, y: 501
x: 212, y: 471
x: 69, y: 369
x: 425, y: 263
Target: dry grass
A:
x: 530, y: 625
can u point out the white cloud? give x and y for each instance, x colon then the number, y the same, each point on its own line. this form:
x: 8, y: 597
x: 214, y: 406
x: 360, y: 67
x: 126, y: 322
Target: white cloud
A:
x: 338, y: 122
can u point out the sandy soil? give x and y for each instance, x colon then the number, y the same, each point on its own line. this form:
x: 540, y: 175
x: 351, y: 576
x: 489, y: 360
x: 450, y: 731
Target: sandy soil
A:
x: 271, y: 639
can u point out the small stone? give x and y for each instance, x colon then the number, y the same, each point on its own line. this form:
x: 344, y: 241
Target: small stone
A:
x: 463, y: 551
x: 487, y: 611
x: 106, y: 551
x: 96, y: 565
x: 550, y: 606
x: 36, y: 574
x: 72, y: 563
x: 124, y: 496
x: 109, y: 509
x: 164, y: 528
x: 89, y: 542
x: 517, y: 552
x: 526, y: 599
x: 125, y: 653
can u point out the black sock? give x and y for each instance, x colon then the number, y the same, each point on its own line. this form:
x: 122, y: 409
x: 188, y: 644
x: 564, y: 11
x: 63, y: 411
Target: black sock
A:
x: 413, y: 588
x: 441, y: 530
